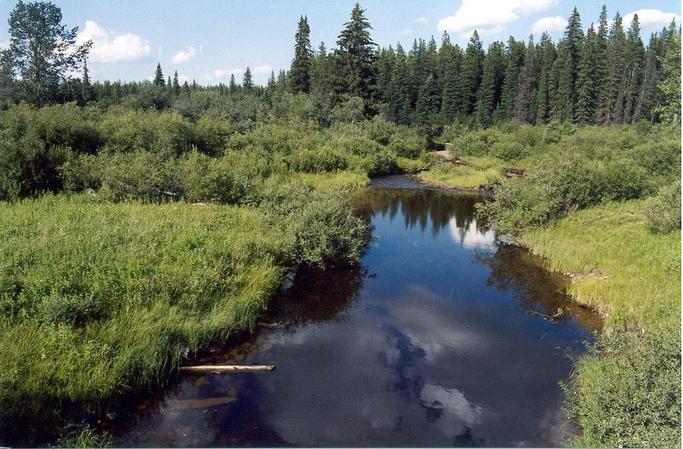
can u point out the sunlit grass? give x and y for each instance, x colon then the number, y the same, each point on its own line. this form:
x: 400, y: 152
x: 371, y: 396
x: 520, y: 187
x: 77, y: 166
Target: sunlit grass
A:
x: 98, y: 298
x: 621, y: 267
x: 480, y: 172
x: 334, y: 181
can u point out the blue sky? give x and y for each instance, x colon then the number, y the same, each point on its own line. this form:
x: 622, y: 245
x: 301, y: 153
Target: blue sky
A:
x: 207, y: 40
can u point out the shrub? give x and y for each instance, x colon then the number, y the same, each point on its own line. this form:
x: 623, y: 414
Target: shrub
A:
x: 663, y: 211
x: 508, y: 151
x: 404, y: 149
x: 319, y: 160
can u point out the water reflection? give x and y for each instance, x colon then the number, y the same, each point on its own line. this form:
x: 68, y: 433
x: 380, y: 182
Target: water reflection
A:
x: 431, y: 344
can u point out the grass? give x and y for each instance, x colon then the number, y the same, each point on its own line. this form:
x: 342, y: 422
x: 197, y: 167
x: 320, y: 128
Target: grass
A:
x: 480, y: 172
x: 628, y: 392
x: 621, y: 267
x: 99, y: 298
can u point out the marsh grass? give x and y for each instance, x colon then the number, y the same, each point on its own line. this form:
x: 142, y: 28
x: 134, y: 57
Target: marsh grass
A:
x: 101, y: 298
x: 628, y: 392
x: 479, y: 172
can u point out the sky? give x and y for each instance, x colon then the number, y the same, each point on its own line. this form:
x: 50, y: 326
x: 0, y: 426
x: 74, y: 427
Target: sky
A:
x: 210, y: 39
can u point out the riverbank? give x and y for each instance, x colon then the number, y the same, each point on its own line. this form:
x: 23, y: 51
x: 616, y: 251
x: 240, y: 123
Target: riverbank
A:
x: 627, y: 393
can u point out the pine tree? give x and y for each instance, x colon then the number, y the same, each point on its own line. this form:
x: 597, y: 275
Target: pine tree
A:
x: 399, y: 89
x: 176, y: 84
x: 470, y: 76
x: 670, y: 84
x: 428, y: 102
x: 451, y: 61
x: 566, y: 89
x: 490, y: 90
x: 635, y: 58
x: 516, y: 52
x: 611, y: 107
x: 232, y: 86
x: 648, y: 87
x: 586, y: 82
x: 356, y: 55
x: 300, y: 73
x: 600, y: 69
x: 247, y: 82
x: 545, y: 85
x: 159, y: 77
x: 526, y: 86
x: 86, y: 87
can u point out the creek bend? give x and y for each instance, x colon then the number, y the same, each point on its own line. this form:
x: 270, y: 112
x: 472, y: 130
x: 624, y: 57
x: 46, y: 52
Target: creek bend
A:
x: 441, y: 338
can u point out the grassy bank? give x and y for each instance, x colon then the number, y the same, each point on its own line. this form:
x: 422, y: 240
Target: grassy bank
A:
x: 604, y: 205
x: 628, y: 393
x: 476, y: 173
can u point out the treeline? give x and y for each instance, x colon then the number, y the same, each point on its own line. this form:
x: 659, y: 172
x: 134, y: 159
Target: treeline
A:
x: 604, y: 76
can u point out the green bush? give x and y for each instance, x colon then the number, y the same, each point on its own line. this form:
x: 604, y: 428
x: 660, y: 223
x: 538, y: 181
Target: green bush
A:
x: 628, y: 394
x: 322, y: 159
x: 404, y: 149
x: 664, y: 209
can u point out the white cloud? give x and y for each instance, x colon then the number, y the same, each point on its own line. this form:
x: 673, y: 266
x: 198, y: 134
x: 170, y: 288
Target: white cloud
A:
x: 263, y: 69
x: 422, y: 20
x: 113, y: 47
x: 4, y: 45
x: 650, y: 18
x: 549, y: 24
x: 186, y: 54
x: 490, y: 16
x: 407, y: 31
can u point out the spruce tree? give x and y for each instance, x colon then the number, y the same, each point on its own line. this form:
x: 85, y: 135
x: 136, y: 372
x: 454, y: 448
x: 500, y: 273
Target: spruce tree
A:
x: 566, y: 89
x: 159, y: 76
x: 612, y: 110
x: 586, y: 80
x: 669, y: 86
x: 470, y: 76
x: 428, y: 102
x: 526, y: 86
x: 545, y: 85
x: 86, y: 87
x: 451, y: 66
x: 356, y: 55
x: 232, y: 86
x: 300, y: 73
x: 601, y: 68
x: 399, y: 89
x: 490, y: 90
x: 176, y: 84
x: 516, y: 52
x: 635, y: 59
x: 247, y: 82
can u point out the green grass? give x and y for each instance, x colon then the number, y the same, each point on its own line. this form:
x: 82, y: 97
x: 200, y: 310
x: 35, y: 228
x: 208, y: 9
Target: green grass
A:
x: 627, y: 394
x: 480, y: 172
x: 100, y: 298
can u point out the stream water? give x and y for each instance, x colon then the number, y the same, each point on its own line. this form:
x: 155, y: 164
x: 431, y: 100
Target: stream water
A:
x: 441, y: 338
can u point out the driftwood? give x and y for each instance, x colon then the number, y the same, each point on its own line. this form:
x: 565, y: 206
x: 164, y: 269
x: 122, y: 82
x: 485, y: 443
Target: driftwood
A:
x: 226, y: 368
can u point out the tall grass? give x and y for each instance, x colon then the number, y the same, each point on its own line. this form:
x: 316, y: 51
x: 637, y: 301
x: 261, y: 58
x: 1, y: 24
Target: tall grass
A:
x: 100, y: 298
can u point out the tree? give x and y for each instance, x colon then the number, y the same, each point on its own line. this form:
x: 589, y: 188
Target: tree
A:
x: 42, y: 52
x: 612, y: 103
x: 470, y: 76
x: 526, y: 86
x: 571, y: 52
x: 450, y: 60
x: 428, y: 102
x: 586, y: 80
x: 247, y: 82
x: 545, y: 84
x: 670, y: 84
x: 86, y: 87
x: 232, y: 86
x: 356, y: 56
x: 515, y: 61
x: 300, y: 72
x: 635, y: 58
x: 399, y: 90
x: 176, y: 84
x: 489, y: 93
x: 159, y: 77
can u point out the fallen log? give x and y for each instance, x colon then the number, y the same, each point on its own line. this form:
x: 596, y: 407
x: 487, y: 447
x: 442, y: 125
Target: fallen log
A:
x: 226, y: 368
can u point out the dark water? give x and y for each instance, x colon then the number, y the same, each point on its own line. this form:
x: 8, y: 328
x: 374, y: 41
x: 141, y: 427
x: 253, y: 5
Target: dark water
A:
x: 442, y: 338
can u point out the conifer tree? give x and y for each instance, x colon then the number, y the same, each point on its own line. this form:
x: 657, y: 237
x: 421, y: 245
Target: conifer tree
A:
x: 515, y: 61
x: 611, y: 107
x: 526, y: 86
x: 399, y: 89
x: 545, y: 84
x: 489, y: 93
x: 470, y: 76
x: 159, y: 76
x: 635, y: 58
x: 428, y: 102
x: 670, y: 83
x: 247, y: 82
x: 176, y: 84
x: 86, y: 87
x: 232, y: 86
x: 300, y: 73
x: 451, y: 65
x: 356, y: 55
x: 601, y: 68
x: 566, y: 89
x: 586, y: 80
